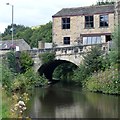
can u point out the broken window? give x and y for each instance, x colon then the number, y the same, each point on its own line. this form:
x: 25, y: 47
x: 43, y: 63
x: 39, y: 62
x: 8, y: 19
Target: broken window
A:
x: 103, y: 20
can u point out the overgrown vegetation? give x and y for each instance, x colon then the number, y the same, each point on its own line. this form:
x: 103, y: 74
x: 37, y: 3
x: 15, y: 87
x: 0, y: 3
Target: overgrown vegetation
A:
x: 17, y: 83
x: 30, y: 35
x: 25, y: 61
x: 104, y: 81
x: 100, y: 72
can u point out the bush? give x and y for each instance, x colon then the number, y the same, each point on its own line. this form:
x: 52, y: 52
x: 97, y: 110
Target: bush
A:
x: 7, y: 77
x: 11, y: 61
x: 93, y: 59
x: 104, y: 81
x: 28, y: 80
x: 80, y: 74
x: 26, y: 61
x: 34, y: 79
x: 20, y: 83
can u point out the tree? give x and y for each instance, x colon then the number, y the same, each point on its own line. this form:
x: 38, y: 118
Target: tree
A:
x: 81, y: 74
x: 16, y: 29
x: 11, y: 61
x: 114, y: 55
x: 93, y: 59
x: 25, y: 61
x: 30, y: 35
x: 42, y: 33
x: 7, y: 77
x: 107, y: 2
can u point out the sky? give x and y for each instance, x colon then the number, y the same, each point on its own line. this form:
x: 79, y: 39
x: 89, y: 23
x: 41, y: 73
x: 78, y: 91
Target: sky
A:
x: 34, y: 12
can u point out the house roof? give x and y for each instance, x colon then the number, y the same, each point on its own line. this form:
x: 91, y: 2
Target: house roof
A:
x: 98, y: 9
x: 7, y: 44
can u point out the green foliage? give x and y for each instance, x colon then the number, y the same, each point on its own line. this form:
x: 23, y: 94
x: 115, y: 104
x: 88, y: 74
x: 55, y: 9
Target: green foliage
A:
x: 81, y: 74
x: 5, y: 111
x: 16, y: 30
x: 105, y: 81
x: 31, y: 36
x: 26, y: 61
x: 26, y: 35
x: 114, y: 55
x: 107, y: 2
x: 45, y: 32
x: 64, y: 72
x: 47, y: 57
x: 116, y: 38
x: 11, y: 60
x: 28, y: 80
x: 93, y: 59
x: 34, y: 79
x: 19, y: 83
x: 7, y: 77
x: 14, y: 82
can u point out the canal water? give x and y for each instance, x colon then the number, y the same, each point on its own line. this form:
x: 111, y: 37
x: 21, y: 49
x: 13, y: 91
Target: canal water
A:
x: 66, y: 101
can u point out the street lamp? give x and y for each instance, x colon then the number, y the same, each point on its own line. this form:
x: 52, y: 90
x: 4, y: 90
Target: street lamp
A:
x: 12, y: 20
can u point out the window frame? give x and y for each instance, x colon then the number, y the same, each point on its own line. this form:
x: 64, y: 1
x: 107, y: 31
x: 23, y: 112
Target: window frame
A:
x: 66, y: 40
x: 104, y: 26
x: 89, y: 21
x: 91, y: 40
x: 66, y: 23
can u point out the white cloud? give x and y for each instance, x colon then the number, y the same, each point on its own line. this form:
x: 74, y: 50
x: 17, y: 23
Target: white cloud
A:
x: 35, y: 12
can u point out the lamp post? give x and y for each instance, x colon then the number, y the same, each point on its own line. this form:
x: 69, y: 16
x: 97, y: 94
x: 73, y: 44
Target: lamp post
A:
x: 12, y: 19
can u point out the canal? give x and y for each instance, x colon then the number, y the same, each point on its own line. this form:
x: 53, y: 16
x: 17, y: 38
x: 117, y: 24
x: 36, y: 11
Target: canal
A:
x: 67, y: 101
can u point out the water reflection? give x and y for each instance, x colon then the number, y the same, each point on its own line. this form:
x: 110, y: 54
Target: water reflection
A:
x: 70, y: 102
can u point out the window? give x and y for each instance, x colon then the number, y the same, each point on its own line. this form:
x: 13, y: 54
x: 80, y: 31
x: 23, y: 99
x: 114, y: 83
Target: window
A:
x: 66, y: 40
x: 91, y: 40
x: 108, y: 38
x: 65, y: 23
x: 103, y: 20
x: 89, y: 22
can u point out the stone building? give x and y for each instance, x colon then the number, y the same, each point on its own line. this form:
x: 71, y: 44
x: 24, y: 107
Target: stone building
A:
x: 83, y: 25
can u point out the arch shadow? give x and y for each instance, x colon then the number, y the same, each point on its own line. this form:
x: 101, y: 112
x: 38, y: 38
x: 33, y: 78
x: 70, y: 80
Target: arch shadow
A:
x: 47, y: 69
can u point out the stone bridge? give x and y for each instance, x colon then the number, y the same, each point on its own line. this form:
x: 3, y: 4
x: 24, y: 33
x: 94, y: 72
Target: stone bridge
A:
x: 71, y: 54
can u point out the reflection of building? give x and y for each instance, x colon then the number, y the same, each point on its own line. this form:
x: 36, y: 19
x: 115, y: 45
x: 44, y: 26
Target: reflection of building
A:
x: 19, y: 45
x: 83, y: 25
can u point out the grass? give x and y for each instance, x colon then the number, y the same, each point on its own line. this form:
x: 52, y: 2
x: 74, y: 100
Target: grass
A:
x: 0, y: 101
x: 5, y: 105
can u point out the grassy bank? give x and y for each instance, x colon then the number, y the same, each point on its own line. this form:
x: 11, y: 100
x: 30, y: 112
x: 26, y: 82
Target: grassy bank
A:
x: 0, y: 102
x: 6, y: 102
x: 104, y: 81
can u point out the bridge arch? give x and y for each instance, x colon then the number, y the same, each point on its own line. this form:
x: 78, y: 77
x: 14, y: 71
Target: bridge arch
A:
x: 47, y: 69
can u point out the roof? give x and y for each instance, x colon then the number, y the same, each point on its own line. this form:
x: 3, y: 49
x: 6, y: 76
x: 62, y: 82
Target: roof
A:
x: 7, y: 44
x: 98, y: 9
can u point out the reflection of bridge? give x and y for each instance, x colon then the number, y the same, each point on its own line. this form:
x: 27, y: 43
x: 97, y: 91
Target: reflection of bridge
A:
x: 71, y: 54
